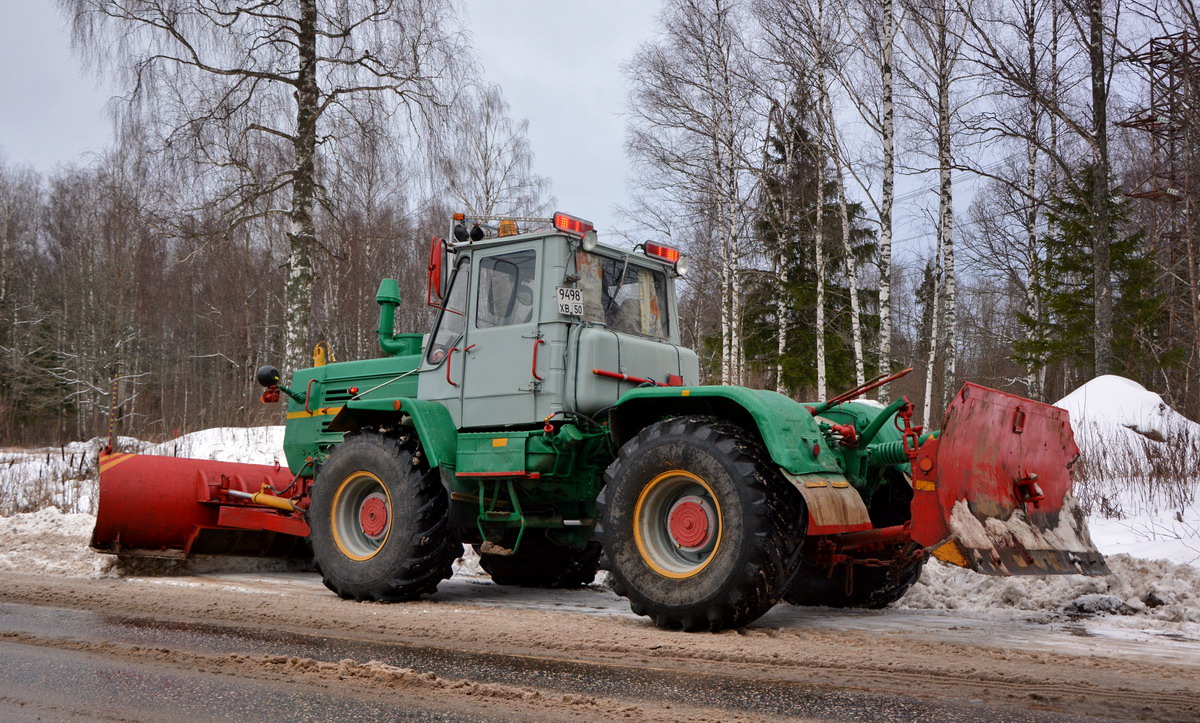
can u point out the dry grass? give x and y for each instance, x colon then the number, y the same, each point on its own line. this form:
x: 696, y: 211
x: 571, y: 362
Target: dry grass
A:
x: 65, y: 478
x: 1118, y: 475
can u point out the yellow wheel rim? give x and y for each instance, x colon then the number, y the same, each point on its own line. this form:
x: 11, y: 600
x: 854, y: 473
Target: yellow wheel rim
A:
x: 677, y: 524
x: 361, y: 515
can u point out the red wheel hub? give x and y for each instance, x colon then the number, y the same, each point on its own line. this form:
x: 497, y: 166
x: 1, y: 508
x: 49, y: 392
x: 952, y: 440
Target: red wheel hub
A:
x: 373, y: 515
x: 690, y: 522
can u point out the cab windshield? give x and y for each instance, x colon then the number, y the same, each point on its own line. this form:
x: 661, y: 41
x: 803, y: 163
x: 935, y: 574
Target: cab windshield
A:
x: 623, y: 295
x: 453, y: 320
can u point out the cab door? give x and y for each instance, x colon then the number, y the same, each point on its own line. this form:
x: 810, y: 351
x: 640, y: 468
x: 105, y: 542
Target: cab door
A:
x: 499, y: 379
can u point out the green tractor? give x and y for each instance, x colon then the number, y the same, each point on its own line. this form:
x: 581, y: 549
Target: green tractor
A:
x: 552, y: 416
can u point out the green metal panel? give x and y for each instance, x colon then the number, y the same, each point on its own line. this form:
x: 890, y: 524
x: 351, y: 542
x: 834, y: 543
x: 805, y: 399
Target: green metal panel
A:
x: 491, y: 454
x: 787, y: 428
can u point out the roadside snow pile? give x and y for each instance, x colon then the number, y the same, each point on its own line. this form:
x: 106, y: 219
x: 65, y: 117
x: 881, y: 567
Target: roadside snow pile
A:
x: 62, y: 477
x: 1138, y: 475
x: 49, y: 541
x: 1111, y: 402
x: 1153, y: 588
x: 249, y: 445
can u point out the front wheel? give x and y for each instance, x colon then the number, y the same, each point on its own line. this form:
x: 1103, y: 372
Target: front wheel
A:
x: 701, y: 530
x: 378, y: 522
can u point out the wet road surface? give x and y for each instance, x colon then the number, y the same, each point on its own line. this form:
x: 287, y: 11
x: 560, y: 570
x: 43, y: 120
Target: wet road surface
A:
x: 40, y: 680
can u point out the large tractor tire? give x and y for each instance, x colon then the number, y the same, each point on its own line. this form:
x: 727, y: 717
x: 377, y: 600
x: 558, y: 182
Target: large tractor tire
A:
x: 543, y: 564
x: 378, y: 520
x: 871, y: 587
x: 701, y: 530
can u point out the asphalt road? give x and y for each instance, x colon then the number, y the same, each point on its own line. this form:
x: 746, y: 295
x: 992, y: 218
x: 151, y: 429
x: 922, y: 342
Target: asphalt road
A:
x: 65, y: 664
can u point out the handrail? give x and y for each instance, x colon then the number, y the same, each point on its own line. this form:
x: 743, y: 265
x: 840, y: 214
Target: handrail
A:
x: 450, y: 358
x: 536, y: 344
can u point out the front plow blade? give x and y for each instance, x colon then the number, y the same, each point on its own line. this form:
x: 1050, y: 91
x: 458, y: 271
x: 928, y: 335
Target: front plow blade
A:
x: 993, y: 492
x: 153, y: 506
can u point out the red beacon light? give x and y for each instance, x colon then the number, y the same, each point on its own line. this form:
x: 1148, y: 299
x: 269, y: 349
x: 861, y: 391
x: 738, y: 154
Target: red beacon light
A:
x: 668, y: 254
x: 571, y: 224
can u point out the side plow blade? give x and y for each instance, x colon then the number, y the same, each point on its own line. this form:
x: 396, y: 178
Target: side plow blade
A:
x: 175, y: 507
x: 992, y: 492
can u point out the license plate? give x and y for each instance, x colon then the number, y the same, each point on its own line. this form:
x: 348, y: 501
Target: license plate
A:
x: 570, y: 300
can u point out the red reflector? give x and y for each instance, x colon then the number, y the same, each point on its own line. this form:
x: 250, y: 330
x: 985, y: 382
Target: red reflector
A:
x: 572, y: 225
x: 354, y: 390
x: 666, y: 253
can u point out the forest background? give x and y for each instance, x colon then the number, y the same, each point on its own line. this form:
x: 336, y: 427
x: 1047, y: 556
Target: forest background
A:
x: 272, y: 159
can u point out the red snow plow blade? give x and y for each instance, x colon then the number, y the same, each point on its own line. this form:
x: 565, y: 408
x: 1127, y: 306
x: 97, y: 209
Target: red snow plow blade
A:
x: 992, y: 492
x: 172, y: 507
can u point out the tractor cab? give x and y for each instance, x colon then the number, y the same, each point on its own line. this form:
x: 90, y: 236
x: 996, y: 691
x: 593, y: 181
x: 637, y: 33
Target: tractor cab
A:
x: 548, y: 321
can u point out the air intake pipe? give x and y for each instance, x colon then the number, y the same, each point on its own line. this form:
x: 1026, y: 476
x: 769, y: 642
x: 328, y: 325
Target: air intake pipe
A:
x: 393, y: 344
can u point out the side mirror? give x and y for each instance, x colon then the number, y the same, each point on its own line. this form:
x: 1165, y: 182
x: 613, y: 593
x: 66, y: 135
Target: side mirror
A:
x: 435, y: 289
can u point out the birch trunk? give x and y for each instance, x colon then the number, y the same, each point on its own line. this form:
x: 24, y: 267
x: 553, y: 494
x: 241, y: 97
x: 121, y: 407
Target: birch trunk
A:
x: 851, y: 265
x: 780, y: 263
x: 1034, y: 368
x: 726, y: 309
x: 819, y: 251
x: 935, y: 315
x: 781, y: 310
x: 302, y: 238
x: 888, y: 192
x: 946, y: 209
x: 735, y: 306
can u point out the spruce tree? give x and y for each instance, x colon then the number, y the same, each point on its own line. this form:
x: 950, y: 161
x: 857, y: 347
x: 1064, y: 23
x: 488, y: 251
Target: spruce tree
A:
x: 1066, y: 282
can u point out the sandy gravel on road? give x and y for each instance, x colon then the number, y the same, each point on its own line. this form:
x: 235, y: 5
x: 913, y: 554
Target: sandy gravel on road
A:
x: 797, y: 646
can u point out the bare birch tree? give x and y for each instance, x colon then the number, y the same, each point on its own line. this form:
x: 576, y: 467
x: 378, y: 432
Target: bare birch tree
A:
x: 933, y: 32
x: 488, y: 165
x: 1071, y: 90
x: 867, y: 78
x: 799, y: 47
x: 690, y: 131
x: 250, y: 94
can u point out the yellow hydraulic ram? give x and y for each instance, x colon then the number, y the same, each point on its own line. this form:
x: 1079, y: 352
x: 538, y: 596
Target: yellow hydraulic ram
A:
x: 265, y: 499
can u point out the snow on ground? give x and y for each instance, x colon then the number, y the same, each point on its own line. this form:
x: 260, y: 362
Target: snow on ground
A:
x: 249, y: 445
x: 1138, y: 475
x: 1139, y: 463
x: 1154, y: 589
x: 49, y: 541
x: 62, y: 477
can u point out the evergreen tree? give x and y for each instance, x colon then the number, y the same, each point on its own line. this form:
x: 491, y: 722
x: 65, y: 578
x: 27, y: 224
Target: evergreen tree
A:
x: 1067, y: 285
x: 786, y: 227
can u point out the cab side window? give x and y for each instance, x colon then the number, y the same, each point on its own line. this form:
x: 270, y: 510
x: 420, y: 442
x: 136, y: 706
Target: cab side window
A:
x: 506, y: 284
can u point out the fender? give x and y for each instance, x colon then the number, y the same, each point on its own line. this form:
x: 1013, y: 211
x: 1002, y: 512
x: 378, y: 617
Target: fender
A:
x: 435, y: 428
x: 786, y: 427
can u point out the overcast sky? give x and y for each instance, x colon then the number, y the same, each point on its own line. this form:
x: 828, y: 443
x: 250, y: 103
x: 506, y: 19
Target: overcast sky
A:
x: 558, y: 62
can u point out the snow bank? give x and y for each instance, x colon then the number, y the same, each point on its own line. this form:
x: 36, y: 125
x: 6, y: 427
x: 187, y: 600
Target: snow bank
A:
x: 1148, y: 588
x: 1118, y: 407
x: 50, y: 541
x: 1138, y: 475
x: 249, y: 445
x: 62, y: 477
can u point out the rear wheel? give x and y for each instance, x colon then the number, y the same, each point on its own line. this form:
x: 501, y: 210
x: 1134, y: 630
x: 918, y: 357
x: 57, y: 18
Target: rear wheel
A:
x: 544, y: 564
x: 378, y: 521
x: 701, y: 530
x: 870, y: 587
